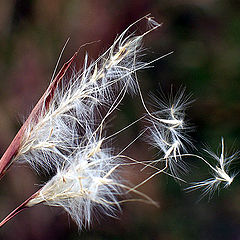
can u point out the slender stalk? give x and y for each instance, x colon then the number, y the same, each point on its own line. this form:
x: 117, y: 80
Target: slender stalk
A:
x: 19, y: 209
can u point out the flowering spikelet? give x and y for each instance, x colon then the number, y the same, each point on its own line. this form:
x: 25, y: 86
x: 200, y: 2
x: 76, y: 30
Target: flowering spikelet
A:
x: 168, y: 132
x: 220, y: 173
x: 66, y: 135
x: 50, y: 137
x: 88, y: 181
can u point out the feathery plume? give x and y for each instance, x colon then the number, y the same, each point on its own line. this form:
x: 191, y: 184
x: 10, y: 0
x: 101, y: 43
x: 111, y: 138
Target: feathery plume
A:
x: 88, y: 181
x: 168, y: 132
x: 49, y: 135
x: 220, y: 173
x: 65, y: 136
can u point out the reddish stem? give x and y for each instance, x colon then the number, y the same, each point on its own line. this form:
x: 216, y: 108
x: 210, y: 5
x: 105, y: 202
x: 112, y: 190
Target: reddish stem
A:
x: 43, y: 103
x: 19, y: 209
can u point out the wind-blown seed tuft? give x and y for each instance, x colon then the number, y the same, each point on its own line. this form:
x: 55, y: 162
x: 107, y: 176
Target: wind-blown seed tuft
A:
x: 168, y: 132
x: 220, y: 173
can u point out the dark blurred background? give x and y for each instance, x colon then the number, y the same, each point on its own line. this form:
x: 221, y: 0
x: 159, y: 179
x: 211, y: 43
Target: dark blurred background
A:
x: 205, y: 38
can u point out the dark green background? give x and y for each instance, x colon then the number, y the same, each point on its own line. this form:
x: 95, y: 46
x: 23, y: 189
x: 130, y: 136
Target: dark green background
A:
x: 205, y: 38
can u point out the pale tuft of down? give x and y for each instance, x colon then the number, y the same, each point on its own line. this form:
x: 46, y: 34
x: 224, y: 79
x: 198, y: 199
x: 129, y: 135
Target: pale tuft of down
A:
x: 89, y: 183
x: 220, y: 173
x: 49, y: 142
x: 168, y: 132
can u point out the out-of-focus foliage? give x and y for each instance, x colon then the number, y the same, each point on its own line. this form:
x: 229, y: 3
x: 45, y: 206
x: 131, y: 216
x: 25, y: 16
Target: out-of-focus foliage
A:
x: 205, y: 38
